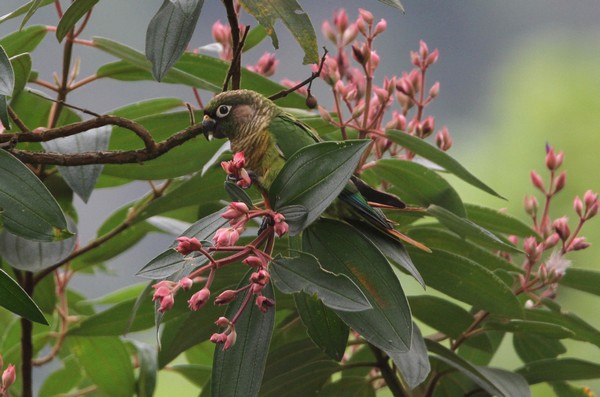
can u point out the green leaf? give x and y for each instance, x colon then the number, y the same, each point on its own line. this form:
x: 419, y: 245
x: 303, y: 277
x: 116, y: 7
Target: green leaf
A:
x: 441, y: 314
x: 323, y: 326
x: 413, y: 364
x: 441, y: 239
x: 63, y: 380
x: 21, y: 65
x: 195, y: 373
x: 315, y: 175
x: 7, y: 76
x: 499, y: 383
x: 147, y: 360
x: 23, y: 41
x: 467, y: 229
x: 467, y: 281
x: 583, y: 330
x: 351, y: 386
x: 341, y: 249
x: 4, y: 118
x: 23, y: 9
x: 237, y: 193
x: 293, y: 17
x: 170, y: 261
x: 533, y: 347
x: 13, y: 298
x: 297, y: 369
x: 564, y: 389
x: 431, y: 153
x: 393, y: 3
x: 82, y: 179
x: 138, y: 60
x: 72, y: 15
x: 30, y: 211
x: 419, y: 185
x: 35, y: 4
x: 559, y: 369
x: 169, y: 33
x: 303, y: 273
x: 498, y: 221
x: 33, y: 255
x: 539, y: 328
x: 587, y: 280
x: 239, y: 370
x: 106, y: 362
x: 254, y: 37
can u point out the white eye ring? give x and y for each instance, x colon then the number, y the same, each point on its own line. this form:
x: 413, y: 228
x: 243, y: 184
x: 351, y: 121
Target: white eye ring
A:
x: 223, y: 111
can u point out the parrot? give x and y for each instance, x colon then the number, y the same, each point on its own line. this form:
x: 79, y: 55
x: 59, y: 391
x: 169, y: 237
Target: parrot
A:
x: 268, y: 135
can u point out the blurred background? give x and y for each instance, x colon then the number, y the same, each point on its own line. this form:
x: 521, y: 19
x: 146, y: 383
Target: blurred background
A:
x: 514, y: 76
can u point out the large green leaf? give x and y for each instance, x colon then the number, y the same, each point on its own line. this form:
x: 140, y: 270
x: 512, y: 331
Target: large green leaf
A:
x: 587, y: 280
x: 583, y: 331
x: 323, y: 326
x: 23, y: 41
x: 106, y: 362
x: 341, y: 249
x: 239, y: 370
x: 13, y: 298
x: 441, y: 314
x: 468, y: 229
x: 63, y: 380
x: 296, y: 369
x: 431, y: 153
x: 352, y: 386
x: 147, y: 360
x: 467, y: 281
x: 72, y: 15
x: 533, y: 347
x: 23, y: 9
x: 21, y: 65
x: 29, y: 210
x: 419, y: 185
x: 498, y: 221
x: 7, y: 84
x: 293, y: 17
x: 314, y: 176
x: 303, y: 273
x: 559, y: 369
x: 414, y: 364
x: 493, y: 381
x: 82, y: 179
x: 137, y: 59
x: 169, y: 33
x: 35, y: 4
x: 543, y: 329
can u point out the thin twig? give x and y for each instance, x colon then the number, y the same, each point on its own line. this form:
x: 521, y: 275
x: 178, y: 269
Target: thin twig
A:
x: 314, y: 75
x: 63, y: 103
x: 17, y: 120
x: 235, y: 66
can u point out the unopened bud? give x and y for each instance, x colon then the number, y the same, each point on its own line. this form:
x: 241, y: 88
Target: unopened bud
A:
x: 423, y: 50
x: 223, y: 322
x: 434, y: 90
x: 367, y: 16
x: 427, y: 126
x: 551, y: 240
x: 186, y: 283
x: 225, y: 297
x: 532, y: 249
x: 311, y: 102
x: 561, y: 226
x: 218, y: 338
x: 553, y: 160
x: 349, y: 35
x: 328, y: 32
x: 340, y: 20
x: 536, y: 179
x: 380, y: 27
x: 432, y: 58
x: 8, y: 376
x: 199, y: 299
x: 560, y: 181
x: 578, y: 243
x: 231, y: 338
x: 261, y: 277
x: 531, y: 205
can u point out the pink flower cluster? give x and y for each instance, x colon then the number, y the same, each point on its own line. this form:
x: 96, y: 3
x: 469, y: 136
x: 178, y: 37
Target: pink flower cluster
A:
x: 9, y: 376
x: 235, y: 170
x: 542, y: 274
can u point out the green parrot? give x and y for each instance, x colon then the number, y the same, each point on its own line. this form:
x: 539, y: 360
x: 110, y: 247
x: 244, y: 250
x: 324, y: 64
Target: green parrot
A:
x: 268, y: 136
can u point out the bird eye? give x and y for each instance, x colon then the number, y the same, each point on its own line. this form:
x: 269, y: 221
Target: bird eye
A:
x: 223, y: 111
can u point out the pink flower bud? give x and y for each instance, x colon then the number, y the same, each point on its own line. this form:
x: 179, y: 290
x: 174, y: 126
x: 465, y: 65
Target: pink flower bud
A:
x: 223, y: 322
x: 551, y: 240
x: 578, y: 243
x: 328, y: 32
x: 590, y: 198
x: 225, y: 297
x: 186, y: 283
x: 592, y: 211
x: 374, y: 61
x: 553, y: 160
x: 536, y: 179
x: 230, y: 340
x: 358, y: 110
x: 254, y: 261
x: 443, y: 139
x: 226, y: 237
x: 415, y: 59
x: 514, y: 240
x: 188, y: 245
x: 166, y: 303
x: 434, y: 90
x: 281, y: 228
x: 367, y: 16
x: 432, y: 58
x: 8, y: 376
x: 236, y: 209
x: 427, y: 126
x: 561, y: 226
x: 578, y: 206
x: 531, y: 205
x: 349, y: 35
x: 423, y: 50
x: 218, y: 338
x: 199, y: 299
x: 380, y: 27
x: 239, y: 160
x: 278, y: 217
x: 264, y: 303
x: 382, y: 94
x: 358, y: 54
x: 261, y: 277
x: 560, y: 182
x: 532, y: 249
x: 161, y: 293
x: 340, y: 20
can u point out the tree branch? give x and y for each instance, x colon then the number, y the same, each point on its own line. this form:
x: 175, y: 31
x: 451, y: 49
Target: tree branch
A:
x: 236, y: 63
x: 309, y: 80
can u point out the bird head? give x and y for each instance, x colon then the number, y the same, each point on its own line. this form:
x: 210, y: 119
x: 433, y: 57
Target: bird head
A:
x: 230, y: 114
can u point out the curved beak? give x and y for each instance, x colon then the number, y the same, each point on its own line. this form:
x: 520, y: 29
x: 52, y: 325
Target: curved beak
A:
x: 208, y: 124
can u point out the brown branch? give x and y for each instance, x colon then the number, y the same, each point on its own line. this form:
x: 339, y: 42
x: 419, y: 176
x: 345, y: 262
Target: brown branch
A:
x: 235, y: 66
x: 17, y: 120
x: 236, y: 63
x: 387, y: 372
x: 314, y: 75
